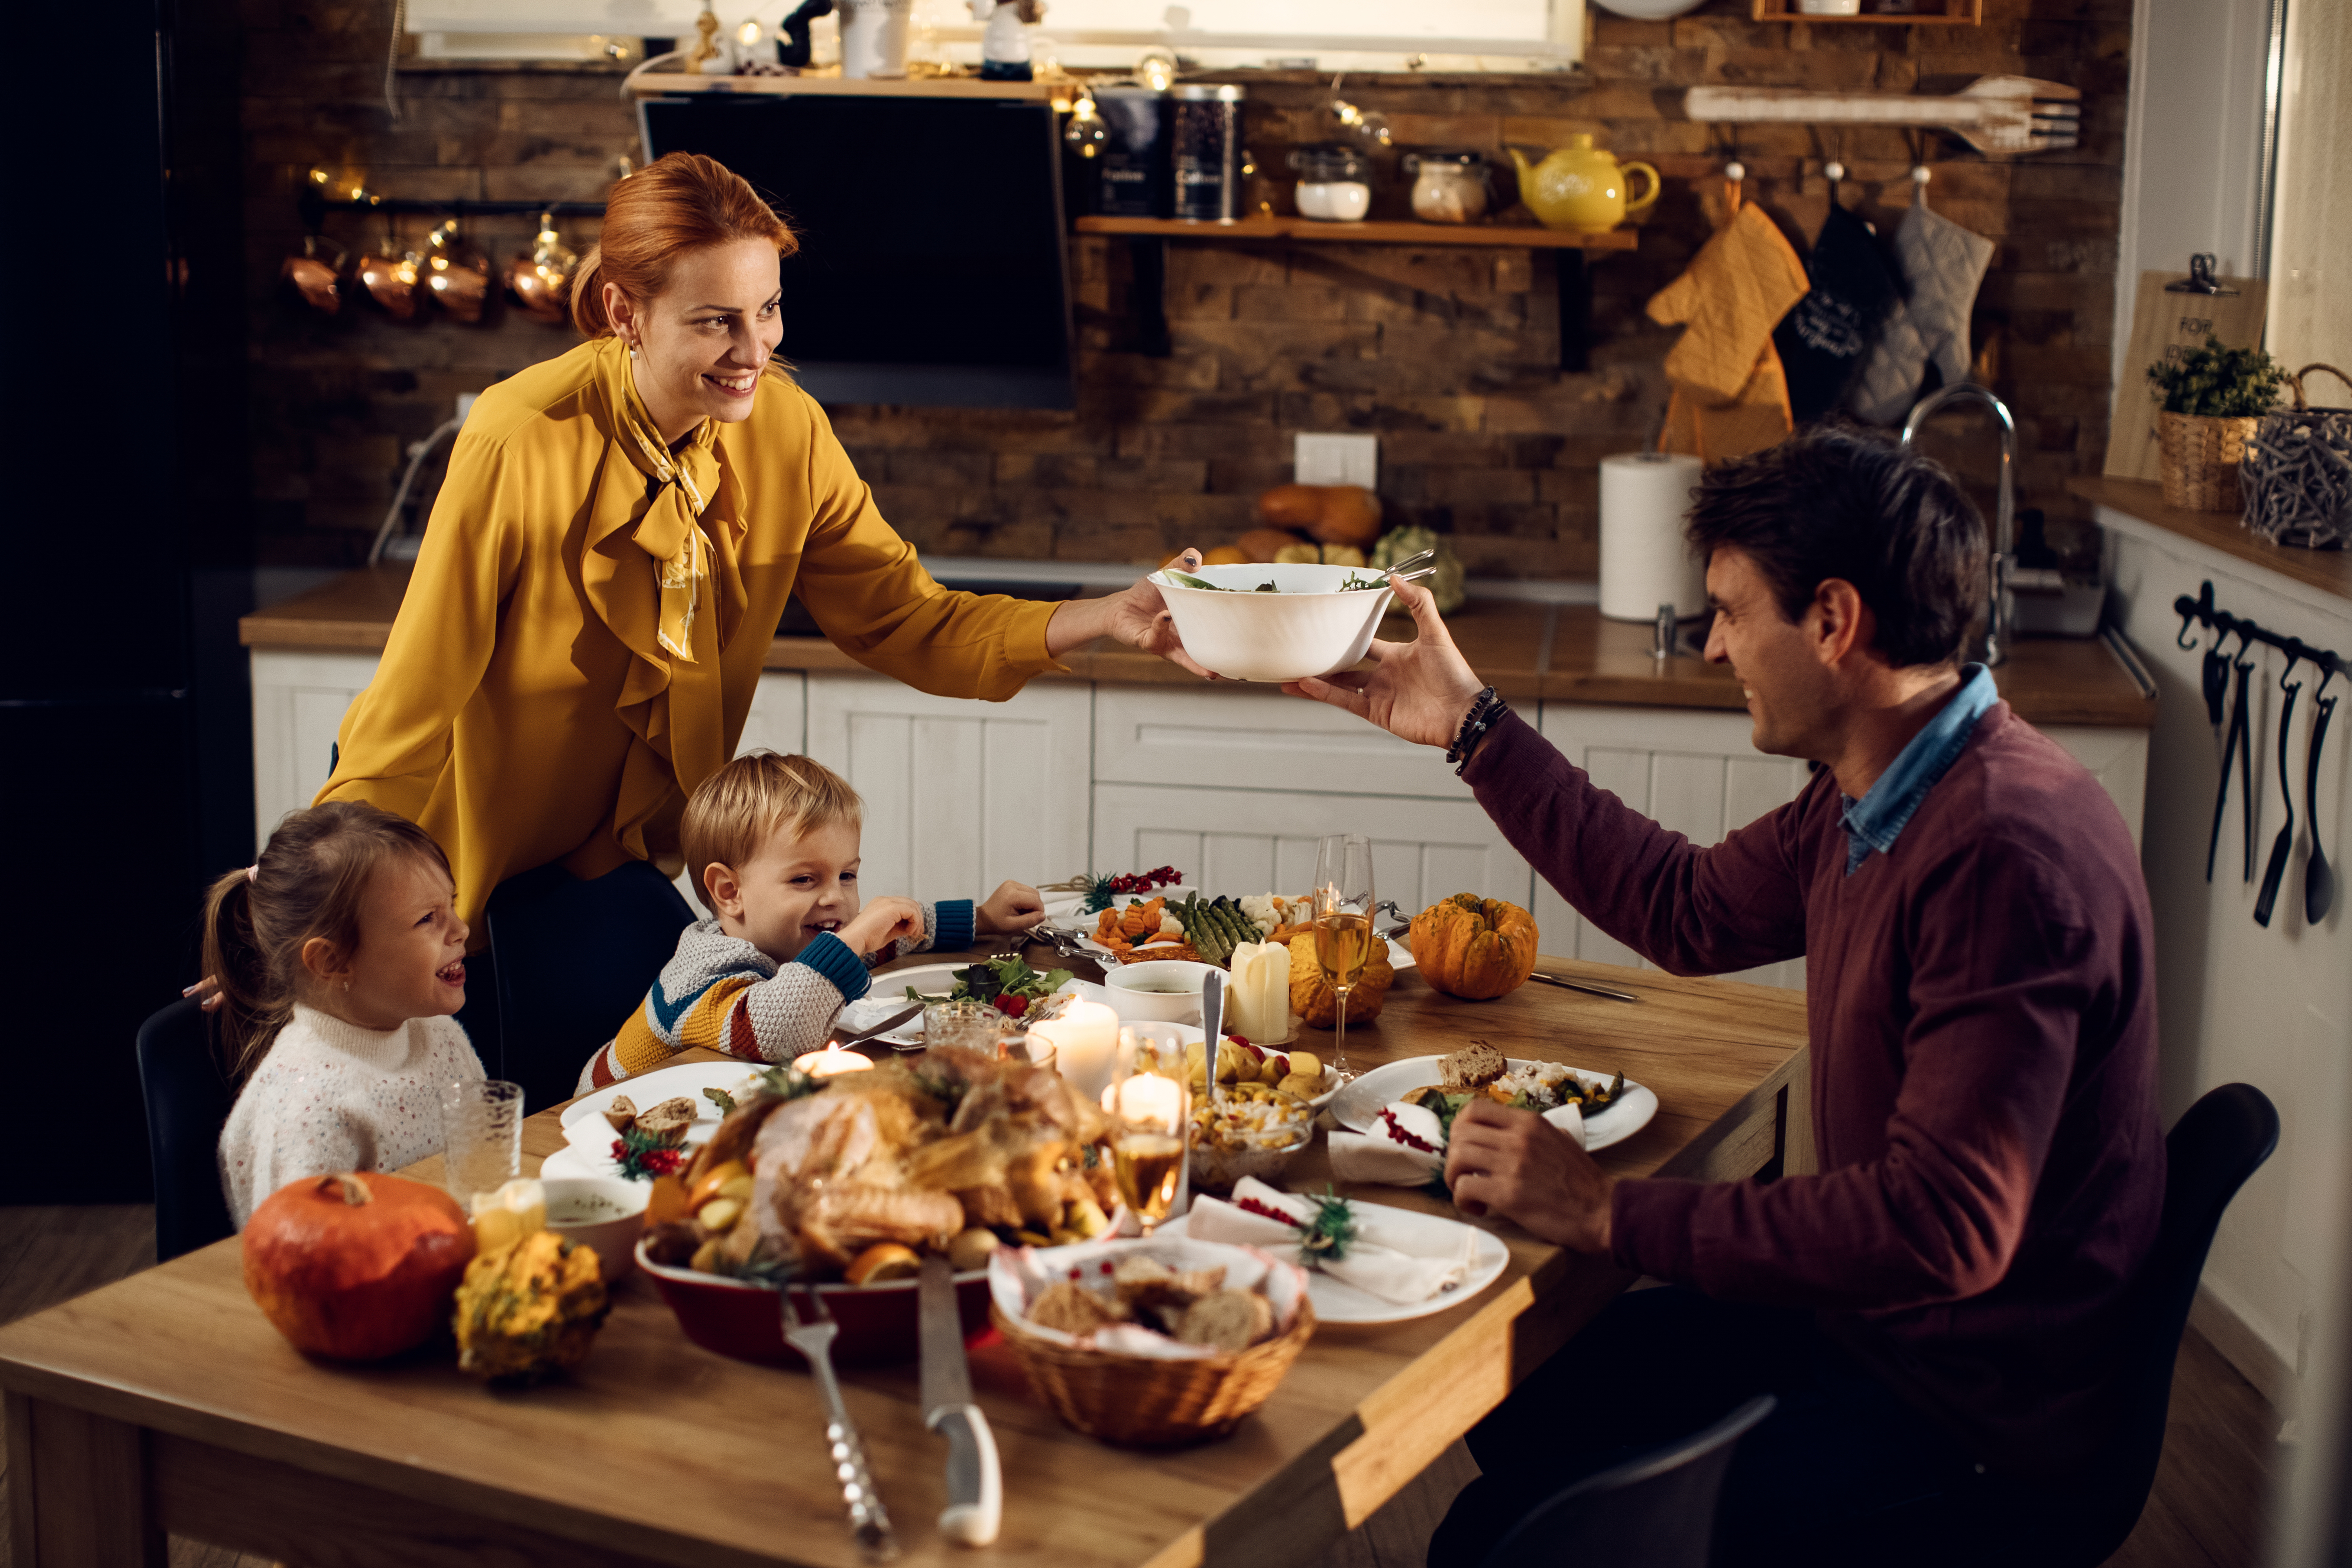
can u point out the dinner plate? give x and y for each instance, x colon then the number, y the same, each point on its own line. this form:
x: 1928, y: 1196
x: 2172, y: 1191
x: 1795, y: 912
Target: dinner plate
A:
x: 1069, y: 915
x: 583, y: 1119
x: 1359, y: 1103
x: 933, y: 979
x: 1337, y: 1302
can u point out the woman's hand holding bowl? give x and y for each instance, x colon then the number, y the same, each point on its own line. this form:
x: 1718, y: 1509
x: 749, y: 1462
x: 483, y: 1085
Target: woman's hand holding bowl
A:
x: 1419, y: 691
x: 1137, y: 617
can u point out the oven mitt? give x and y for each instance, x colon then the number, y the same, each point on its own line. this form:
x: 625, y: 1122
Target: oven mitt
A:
x: 1741, y: 282
x: 1942, y: 266
x: 1823, y: 339
x: 1718, y: 432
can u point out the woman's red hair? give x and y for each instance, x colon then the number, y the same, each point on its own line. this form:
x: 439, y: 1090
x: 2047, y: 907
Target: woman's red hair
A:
x: 677, y: 202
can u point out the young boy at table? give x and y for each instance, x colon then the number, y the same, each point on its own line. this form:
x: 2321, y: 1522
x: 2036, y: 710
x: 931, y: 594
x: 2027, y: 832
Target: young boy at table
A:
x: 772, y: 843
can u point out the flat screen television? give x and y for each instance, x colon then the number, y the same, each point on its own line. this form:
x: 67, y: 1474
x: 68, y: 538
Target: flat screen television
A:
x: 932, y: 268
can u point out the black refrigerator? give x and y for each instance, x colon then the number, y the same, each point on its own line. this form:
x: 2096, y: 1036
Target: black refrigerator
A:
x: 105, y: 511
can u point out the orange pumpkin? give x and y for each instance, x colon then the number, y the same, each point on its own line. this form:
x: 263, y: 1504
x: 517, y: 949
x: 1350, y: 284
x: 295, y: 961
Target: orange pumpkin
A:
x: 356, y: 1266
x: 1312, y: 998
x: 1474, y: 948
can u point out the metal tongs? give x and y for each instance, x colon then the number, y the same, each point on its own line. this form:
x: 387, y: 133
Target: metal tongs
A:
x: 1414, y: 567
x: 869, y: 1523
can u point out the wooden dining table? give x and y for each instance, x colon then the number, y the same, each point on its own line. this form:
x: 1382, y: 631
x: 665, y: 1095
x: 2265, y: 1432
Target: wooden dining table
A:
x: 166, y: 1403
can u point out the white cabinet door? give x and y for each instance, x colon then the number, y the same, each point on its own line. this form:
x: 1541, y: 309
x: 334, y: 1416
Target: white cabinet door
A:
x: 298, y: 701
x: 1694, y: 771
x: 2117, y: 758
x: 1263, y: 841
x: 959, y: 795
x: 1229, y: 737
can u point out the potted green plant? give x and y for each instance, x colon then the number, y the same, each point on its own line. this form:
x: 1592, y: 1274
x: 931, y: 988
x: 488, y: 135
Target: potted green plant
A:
x: 2212, y: 397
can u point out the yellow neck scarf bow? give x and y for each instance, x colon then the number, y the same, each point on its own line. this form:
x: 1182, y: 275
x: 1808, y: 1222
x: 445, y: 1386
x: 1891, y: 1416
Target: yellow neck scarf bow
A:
x: 670, y: 531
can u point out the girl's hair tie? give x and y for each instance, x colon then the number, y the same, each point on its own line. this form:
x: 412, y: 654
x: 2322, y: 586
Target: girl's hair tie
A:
x: 252, y: 872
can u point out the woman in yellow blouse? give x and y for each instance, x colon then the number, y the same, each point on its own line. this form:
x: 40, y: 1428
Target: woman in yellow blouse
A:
x: 612, y: 551
x: 604, y: 568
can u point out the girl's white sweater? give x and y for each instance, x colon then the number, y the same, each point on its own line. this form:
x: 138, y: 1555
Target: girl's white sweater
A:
x: 332, y: 1096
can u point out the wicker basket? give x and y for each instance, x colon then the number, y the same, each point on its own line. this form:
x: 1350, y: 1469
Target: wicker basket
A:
x: 1143, y: 1403
x: 2200, y: 457
x: 2296, y: 475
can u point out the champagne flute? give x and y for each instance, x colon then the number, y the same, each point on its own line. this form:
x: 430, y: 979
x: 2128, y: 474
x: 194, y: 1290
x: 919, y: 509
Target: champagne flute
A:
x: 1151, y: 1117
x: 1343, y: 927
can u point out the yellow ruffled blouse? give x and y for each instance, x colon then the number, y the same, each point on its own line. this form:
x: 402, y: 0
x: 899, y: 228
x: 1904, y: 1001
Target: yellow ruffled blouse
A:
x: 590, y: 611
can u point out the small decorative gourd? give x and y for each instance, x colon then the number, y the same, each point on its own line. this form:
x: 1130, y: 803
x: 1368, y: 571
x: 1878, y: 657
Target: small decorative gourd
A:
x: 356, y: 1266
x: 1473, y: 948
x: 530, y: 1310
x: 1312, y: 998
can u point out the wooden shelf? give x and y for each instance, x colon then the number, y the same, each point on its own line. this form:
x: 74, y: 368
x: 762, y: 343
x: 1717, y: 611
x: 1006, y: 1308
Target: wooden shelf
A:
x: 667, y: 84
x: 1367, y: 233
x: 2329, y: 571
x: 1955, y: 14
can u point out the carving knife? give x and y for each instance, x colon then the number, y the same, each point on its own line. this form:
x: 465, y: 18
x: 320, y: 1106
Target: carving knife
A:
x: 975, y: 1484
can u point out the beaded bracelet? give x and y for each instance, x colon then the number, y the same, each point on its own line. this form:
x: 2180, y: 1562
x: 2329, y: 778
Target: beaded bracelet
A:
x: 1478, y: 733
x: 1472, y: 722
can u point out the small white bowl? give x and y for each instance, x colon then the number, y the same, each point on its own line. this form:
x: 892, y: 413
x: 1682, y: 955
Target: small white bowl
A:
x: 604, y: 1214
x: 1164, y: 991
x: 1310, y: 628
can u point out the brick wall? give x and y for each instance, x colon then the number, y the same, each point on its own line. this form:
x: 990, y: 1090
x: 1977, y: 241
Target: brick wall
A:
x: 1449, y: 354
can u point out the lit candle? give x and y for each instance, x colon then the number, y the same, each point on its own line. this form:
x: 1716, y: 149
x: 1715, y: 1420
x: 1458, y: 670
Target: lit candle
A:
x: 832, y: 1061
x: 1084, y: 1037
x: 1150, y: 1101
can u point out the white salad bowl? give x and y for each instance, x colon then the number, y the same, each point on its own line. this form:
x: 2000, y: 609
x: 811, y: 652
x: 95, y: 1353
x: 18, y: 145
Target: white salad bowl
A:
x: 1309, y: 625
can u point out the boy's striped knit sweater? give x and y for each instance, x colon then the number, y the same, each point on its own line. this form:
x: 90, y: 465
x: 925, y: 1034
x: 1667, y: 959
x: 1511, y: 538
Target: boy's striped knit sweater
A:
x: 722, y: 993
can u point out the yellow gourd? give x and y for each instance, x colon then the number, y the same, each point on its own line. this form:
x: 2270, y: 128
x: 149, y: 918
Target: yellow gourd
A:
x: 1312, y: 998
x: 530, y: 1310
x: 1474, y: 948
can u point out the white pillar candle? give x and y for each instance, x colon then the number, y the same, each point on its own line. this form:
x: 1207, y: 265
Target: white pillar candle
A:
x: 1153, y: 1101
x: 1260, y: 995
x: 832, y: 1061
x: 1084, y: 1037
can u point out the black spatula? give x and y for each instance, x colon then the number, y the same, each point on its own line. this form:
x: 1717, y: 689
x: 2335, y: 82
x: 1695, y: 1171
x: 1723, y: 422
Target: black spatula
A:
x: 2318, y: 878
x: 2284, y: 845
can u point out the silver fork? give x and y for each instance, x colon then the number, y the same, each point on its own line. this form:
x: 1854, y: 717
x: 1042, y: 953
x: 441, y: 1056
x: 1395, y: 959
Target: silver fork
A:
x: 1067, y: 943
x: 869, y: 1523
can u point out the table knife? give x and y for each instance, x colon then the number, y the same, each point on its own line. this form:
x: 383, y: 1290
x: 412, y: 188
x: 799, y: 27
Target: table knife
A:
x: 1580, y: 985
x: 975, y: 1484
x: 862, y: 1036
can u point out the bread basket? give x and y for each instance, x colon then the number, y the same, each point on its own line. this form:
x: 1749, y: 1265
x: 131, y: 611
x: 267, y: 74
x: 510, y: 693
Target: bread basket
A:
x: 1139, y: 1401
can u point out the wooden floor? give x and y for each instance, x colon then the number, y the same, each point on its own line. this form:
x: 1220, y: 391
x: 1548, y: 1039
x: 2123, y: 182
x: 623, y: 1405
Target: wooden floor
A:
x: 2209, y: 1509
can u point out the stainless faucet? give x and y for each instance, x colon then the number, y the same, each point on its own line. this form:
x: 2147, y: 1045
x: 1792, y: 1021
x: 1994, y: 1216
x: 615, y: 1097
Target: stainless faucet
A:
x: 2000, y: 618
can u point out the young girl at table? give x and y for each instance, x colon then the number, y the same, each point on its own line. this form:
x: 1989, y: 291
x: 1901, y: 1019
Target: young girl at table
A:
x: 771, y: 846
x: 339, y: 957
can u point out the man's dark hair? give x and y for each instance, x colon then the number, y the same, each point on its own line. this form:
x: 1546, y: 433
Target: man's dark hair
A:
x: 1838, y: 502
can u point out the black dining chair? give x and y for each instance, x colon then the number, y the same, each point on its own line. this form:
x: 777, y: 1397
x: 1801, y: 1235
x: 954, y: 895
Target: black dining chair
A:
x: 571, y: 959
x: 188, y: 1099
x: 1656, y: 1511
x: 2217, y: 1143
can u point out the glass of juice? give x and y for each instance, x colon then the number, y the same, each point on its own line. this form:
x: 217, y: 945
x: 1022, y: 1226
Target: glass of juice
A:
x: 1150, y: 1108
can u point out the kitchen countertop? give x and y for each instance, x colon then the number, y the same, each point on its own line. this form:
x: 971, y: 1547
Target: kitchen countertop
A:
x: 2329, y: 571
x: 1558, y: 653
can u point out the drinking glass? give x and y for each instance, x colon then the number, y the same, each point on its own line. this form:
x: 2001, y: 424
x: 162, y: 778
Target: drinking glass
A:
x: 1343, y: 927
x: 966, y: 1022
x: 1150, y: 1114
x: 481, y: 1134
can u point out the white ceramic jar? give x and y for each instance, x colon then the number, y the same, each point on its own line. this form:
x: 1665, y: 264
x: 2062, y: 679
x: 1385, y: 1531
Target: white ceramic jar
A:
x: 1447, y: 187
x: 1334, y: 183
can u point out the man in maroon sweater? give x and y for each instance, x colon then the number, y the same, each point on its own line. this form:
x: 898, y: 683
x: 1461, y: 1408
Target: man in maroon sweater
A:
x: 1943, y: 1298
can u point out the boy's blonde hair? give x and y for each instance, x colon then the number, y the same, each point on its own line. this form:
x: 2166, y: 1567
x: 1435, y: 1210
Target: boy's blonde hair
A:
x: 751, y: 800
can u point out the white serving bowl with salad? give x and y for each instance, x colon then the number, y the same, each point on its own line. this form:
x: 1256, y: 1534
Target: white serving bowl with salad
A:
x: 1276, y: 622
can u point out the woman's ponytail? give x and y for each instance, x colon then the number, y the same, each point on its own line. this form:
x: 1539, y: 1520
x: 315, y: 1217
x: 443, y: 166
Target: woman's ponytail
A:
x: 588, y: 296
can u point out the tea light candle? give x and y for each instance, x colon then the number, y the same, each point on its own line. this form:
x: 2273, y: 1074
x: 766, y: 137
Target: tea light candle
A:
x: 1084, y: 1039
x: 832, y: 1061
x: 1150, y: 1101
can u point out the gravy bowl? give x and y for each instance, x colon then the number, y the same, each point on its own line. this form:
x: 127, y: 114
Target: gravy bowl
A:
x: 1162, y: 990
x: 1309, y: 627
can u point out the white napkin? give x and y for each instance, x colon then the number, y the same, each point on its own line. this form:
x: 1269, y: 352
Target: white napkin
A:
x: 1387, y: 1259
x: 1393, y: 1151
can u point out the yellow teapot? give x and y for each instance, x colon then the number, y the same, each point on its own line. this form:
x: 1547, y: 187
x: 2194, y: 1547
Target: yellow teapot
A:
x: 1580, y: 187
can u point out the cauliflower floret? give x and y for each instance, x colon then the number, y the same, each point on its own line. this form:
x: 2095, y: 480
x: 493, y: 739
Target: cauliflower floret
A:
x: 1259, y: 909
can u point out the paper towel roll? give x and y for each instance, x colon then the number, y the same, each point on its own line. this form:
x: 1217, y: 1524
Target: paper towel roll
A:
x: 1644, y: 500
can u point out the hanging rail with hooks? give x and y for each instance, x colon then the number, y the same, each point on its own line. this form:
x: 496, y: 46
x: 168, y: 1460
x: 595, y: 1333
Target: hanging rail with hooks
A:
x: 315, y: 206
x: 2201, y: 610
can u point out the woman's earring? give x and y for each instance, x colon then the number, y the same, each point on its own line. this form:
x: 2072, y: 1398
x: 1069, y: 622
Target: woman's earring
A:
x: 632, y: 351
x: 346, y: 985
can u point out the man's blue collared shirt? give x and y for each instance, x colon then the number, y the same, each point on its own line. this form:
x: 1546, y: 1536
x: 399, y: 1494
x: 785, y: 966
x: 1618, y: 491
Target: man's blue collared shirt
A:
x: 1878, y: 819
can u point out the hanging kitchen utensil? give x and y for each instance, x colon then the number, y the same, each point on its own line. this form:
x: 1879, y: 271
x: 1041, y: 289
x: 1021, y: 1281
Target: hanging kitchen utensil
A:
x: 2284, y: 845
x: 2318, y: 878
x: 314, y: 279
x: 541, y: 282
x: 2239, y: 747
x: 390, y: 279
x: 457, y: 274
x: 2000, y: 116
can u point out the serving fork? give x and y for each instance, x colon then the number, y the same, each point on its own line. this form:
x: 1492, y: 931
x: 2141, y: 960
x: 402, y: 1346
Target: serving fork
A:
x: 870, y: 1521
x: 2000, y: 116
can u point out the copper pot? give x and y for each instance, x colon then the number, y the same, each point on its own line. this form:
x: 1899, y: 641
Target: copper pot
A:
x: 540, y: 283
x: 458, y: 275
x: 390, y: 283
x: 314, y: 279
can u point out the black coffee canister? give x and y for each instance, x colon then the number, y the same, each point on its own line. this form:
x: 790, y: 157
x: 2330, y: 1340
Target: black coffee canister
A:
x: 1208, y: 154
x: 1133, y: 167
